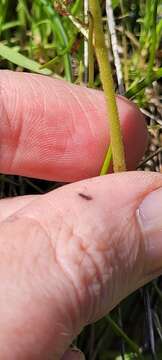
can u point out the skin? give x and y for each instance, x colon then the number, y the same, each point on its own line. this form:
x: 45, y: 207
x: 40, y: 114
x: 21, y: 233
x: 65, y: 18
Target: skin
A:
x: 67, y: 257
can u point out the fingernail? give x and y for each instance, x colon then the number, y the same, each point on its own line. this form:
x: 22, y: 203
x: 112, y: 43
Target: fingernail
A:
x: 150, y: 219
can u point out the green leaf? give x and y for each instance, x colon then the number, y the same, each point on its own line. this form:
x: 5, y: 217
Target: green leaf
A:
x: 115, y: 3
x: 18, y: 59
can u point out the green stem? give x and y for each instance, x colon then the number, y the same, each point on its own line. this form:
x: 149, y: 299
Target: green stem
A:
x: 153, y: 41
x: 118, y: 331
x: 107, y: 162
x: 108, y: 86
x: 90, y: 53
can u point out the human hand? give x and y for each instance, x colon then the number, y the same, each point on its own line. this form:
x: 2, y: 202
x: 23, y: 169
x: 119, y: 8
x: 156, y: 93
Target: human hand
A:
x: 68, y: 257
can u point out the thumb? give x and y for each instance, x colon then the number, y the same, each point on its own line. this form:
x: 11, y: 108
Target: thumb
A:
x: 70, y: 256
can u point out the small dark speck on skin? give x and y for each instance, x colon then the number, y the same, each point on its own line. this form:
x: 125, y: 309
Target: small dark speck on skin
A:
x: 86, y: 197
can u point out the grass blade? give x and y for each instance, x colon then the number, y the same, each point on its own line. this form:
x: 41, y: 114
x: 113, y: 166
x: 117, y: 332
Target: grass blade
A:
x: 20, y: 60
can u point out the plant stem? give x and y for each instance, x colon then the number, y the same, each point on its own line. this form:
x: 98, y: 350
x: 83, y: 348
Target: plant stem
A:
x: 153, y: 41
x: 86, y: 58
x: 106, y: 164
x: 108, y: 86
x: 90, y: 53
x: 121, y: 333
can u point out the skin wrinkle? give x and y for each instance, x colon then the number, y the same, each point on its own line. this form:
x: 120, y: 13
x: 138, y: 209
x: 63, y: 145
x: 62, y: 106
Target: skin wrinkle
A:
x: 96, y: 272
x: 96, y: 287
x: 29, y: 130
x: 114, y: 278
x: 112, y: 266
x: 84, y: 299
x: 10, y: 221
x: 69, y: 193
x: 57, y: 97
x: 67, y: 274
x: 95, y: 106
x: 25, y: 132
x: 15, y: 204
x: 53, y: 242
x: 72, y: 124
x: 83, y: 110
x: 58, y: 128
x: 25, y: 260
x: 130, y: 252
x: 37, y: 117
x: 14, y: 215
x: 19, y: 122
x: 72, y: 127
x: 5, y: 107
x: 108, y: 278
x: 54, y: 287
x: 34, y: 94
x: 19, y: 130
x: 95, y: 279
x: 41, y: 156
x: 79, y: 140
x: 134, y: 258
x: 144, y: 246
x: 78, y: 215
x: 69, y: 132
x: 65, y: 269
x: 84, y: 245
x: 14, y: 107
x: 116, y: 268
x: 91, y: 301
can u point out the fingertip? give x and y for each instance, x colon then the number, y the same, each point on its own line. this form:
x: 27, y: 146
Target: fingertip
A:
x: 56, y: 131
x: 73, y: 354
x: 135, y: 132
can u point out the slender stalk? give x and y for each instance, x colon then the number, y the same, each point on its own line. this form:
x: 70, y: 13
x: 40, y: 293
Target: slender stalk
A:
x: 153, y: 41
x: 121, y: 333
x: 107, y: 162
x: 90, y: 53
x: 108, y: 86
x: 86, y: 59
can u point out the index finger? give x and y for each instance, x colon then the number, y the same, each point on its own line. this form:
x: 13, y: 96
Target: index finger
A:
x: 56, y: 131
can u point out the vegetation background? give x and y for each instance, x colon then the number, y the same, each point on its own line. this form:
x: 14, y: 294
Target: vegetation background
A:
x: 45, y: 36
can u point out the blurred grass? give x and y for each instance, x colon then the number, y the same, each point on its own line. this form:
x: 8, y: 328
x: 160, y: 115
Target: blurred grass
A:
x: 40, y: 36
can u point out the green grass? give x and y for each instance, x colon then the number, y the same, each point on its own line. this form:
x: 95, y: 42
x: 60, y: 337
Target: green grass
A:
x: 36, y: 36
